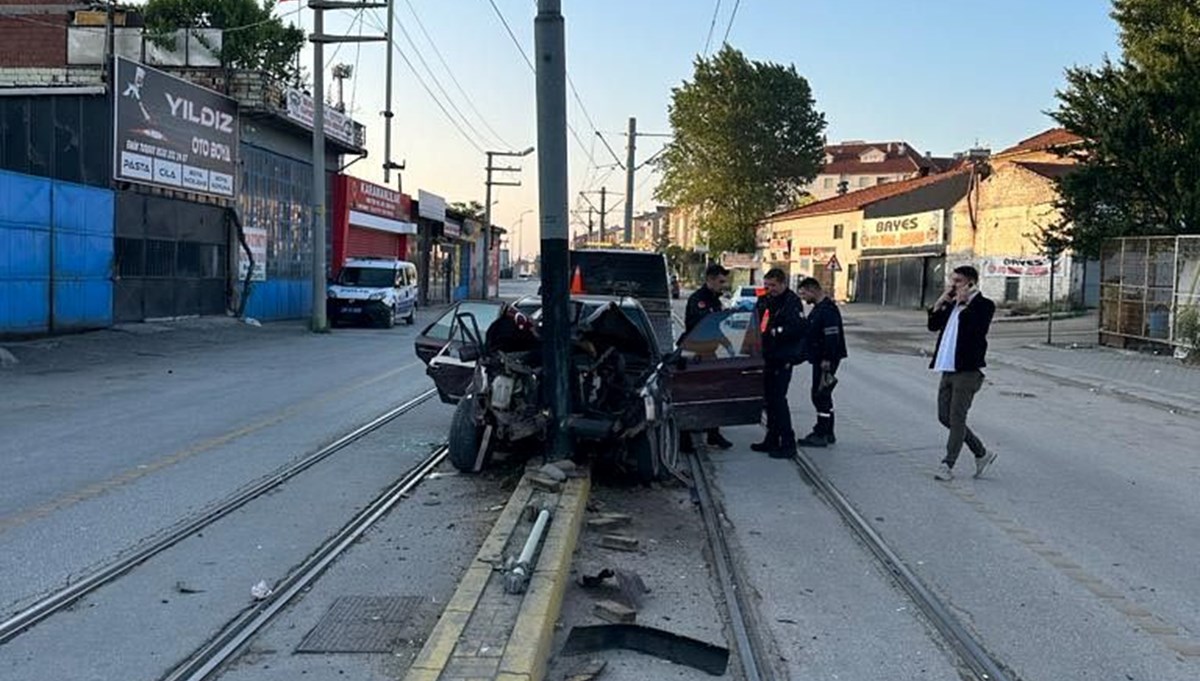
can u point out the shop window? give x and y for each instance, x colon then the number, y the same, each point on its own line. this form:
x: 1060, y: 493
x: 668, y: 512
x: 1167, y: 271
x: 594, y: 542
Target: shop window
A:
x: 853, y: 240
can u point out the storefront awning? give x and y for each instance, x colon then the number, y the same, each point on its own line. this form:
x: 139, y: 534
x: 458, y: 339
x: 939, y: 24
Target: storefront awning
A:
x: 926, y: 252
x: 360, y: 219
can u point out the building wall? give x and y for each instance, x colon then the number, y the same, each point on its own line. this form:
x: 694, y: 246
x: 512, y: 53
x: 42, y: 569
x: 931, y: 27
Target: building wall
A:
x: 819, y: 189
x: 1011, y: 205
x: 33, y: 39
x: 817, y: 233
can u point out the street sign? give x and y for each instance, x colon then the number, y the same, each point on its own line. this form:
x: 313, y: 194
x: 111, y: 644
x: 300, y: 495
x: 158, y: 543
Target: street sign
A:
x: 833, y: 265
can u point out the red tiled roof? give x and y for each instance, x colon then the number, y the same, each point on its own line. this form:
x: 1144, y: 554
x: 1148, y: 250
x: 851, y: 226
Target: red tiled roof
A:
x: 1054, y: 137
x: 863, y: 197
x: 846, y: 161
x: 1051, y: 171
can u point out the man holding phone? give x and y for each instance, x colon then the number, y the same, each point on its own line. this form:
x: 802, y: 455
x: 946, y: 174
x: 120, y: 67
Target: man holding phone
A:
x: 962, y: 317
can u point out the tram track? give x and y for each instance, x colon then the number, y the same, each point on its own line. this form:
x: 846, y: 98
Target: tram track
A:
x: 62, y: 599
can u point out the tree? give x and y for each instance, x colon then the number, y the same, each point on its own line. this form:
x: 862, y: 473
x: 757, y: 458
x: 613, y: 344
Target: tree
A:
x: 1136, y: 172
x: 471, y: 209
x: 252, y: 39
x: 747, y: 136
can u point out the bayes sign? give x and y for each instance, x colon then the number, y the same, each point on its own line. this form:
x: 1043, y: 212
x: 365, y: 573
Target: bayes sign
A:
x: 919, y: 229
x: 170, y: 133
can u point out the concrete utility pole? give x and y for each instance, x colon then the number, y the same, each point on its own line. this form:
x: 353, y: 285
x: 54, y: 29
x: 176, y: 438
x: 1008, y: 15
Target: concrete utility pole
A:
x: 591, y: 223
x: 603, y: 211
x: 320, y: 322
x: 487, y: 203
x: 550, y: 57
x: 631, y: 150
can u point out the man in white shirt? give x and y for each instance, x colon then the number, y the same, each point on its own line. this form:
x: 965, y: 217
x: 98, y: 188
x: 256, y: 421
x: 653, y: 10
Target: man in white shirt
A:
x: 962, y: 316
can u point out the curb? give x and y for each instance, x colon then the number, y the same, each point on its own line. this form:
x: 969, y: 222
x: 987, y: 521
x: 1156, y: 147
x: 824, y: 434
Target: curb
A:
x: 527, y: 648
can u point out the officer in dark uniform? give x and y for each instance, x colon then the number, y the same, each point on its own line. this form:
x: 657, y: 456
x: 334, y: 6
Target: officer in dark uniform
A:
x: 705, y: 300
x: 825, y: 348
x: 781, y: 320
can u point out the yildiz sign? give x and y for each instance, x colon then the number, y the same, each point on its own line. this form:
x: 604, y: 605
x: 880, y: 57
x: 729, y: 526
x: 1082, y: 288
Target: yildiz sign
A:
x: 170, y: 133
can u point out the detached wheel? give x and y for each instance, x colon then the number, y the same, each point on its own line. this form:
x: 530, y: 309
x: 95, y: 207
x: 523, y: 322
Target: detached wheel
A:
x: 466, y: 437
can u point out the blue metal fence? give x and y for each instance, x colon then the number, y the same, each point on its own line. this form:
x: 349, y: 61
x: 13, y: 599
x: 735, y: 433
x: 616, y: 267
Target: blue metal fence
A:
x: 56, y: 255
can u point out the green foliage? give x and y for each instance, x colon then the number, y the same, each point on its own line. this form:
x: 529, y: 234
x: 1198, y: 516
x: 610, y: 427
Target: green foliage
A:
x: 747, y: 136
x: 471, y: 209
x: 1187, y: 330
x: 253, y: 39
x: 1140, y: 119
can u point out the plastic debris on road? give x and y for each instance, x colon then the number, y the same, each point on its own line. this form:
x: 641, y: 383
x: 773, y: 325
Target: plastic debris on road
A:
x: 261, y: 590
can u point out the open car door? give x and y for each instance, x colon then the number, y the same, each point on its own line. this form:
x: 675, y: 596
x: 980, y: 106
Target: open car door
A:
x: 715, y: 376
x: 451, y: 346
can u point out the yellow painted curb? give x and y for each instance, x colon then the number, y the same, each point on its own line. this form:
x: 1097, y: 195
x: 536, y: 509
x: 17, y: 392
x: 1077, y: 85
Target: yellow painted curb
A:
x: 528, y: 648
x: 436, y: 652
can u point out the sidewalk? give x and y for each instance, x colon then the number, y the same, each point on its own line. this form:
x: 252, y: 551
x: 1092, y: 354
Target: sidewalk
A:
x: 1159, y: 380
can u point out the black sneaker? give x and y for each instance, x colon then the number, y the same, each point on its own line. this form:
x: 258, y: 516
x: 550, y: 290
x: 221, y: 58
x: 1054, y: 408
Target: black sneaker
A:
x: 783, y: 453
x: 763, y: 446
x: 718, y: 440
x: 813, y: 440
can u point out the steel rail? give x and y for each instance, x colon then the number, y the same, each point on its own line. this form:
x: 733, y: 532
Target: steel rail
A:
x: 229, y: 642
x: 61, y: 599
x: 969, y: 650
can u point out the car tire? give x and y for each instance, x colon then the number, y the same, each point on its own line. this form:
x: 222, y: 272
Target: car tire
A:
x: 644, y: 454
x: 412, y: 316
x: 465, y: 435
x: 389, y: 320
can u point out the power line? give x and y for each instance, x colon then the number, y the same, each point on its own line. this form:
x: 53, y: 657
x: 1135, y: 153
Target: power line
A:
x: 358, y: 18
x: 454, y: 79
x: 529, y: 62
x: 711, y: 27
x: 392, y: 42
x: 438, y: 84
x: 732, y: 16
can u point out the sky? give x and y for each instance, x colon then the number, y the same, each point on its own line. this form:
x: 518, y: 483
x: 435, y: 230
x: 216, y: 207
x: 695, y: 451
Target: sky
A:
x: 942, y: 75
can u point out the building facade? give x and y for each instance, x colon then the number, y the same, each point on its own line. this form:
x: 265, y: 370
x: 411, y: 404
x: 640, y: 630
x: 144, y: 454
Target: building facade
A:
x: 856, y: 165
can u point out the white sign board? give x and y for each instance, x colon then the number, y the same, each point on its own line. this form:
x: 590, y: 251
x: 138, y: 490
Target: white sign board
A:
x: 902, y: 231
x: 256, y: 239
x: 432, y: 206
x: 337, y: 124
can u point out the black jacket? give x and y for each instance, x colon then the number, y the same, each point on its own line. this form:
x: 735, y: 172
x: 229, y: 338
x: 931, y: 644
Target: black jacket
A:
x: 783, y: 327
x: 973, y: 323
x: 826, y: 339
x: 703, y: 301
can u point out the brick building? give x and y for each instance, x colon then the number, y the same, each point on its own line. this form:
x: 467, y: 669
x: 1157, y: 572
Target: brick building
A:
x: 856, y: 165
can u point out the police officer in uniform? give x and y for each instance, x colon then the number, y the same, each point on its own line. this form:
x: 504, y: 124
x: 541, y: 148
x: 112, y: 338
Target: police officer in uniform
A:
x: 781, y: 320
x: 825, y: 348
x: 705, y: 300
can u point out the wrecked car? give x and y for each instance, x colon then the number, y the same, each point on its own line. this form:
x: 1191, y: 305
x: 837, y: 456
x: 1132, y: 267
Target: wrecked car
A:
x: 629, y: 396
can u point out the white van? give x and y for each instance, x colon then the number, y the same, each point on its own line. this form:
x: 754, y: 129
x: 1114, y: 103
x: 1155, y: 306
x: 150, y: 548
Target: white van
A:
x: 374, y: 290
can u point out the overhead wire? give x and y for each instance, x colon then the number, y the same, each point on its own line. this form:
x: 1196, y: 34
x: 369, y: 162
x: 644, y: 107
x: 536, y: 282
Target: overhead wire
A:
x: 470, y: 102
x: 711, y: 27
x: 438, y: 84
x: 732, y: 17
x: 425, y: 86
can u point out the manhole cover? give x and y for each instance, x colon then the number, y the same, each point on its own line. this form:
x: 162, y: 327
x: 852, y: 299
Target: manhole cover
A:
x: 361, y: 624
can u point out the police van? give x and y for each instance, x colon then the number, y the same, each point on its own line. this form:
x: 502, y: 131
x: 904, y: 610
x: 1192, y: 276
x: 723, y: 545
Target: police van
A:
x: 374, y: 290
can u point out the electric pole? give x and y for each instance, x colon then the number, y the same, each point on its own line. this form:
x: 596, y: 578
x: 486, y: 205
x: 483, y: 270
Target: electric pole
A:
x: 320, y: 322
x: 631, y: 150
x: 487, y: 206
x: 603, y: 211
x: 590, y: 222
x: 549, y: 46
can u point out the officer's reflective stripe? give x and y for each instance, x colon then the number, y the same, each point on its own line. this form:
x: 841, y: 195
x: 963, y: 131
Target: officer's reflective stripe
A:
x: 766, y: 321
x: 831, y: 331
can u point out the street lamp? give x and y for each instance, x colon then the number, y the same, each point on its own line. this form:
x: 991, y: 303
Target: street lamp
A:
x: 520, y: 228
x: 487, y: 213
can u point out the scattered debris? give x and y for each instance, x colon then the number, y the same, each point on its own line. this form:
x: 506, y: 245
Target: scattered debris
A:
x: 185, y: 589
x: 632, y: 586
x: 553, y: 472
x: 619, y: 542
x: 261, y: 590
x: 592, y: 581
x: 606, y: 521
x: 544, y: 483
x: 586, y: 670
x: 612, y: 611
x: 706, y: 657
x: 566, y: 466
x: 432, y: 502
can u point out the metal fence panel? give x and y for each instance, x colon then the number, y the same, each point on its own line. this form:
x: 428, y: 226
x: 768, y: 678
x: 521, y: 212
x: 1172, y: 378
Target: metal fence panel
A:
x: 1146, y: 283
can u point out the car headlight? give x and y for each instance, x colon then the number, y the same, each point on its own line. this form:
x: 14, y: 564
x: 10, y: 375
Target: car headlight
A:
x: 378, y: 296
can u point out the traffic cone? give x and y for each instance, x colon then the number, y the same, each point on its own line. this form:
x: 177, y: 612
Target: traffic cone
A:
x: 577, y: 283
